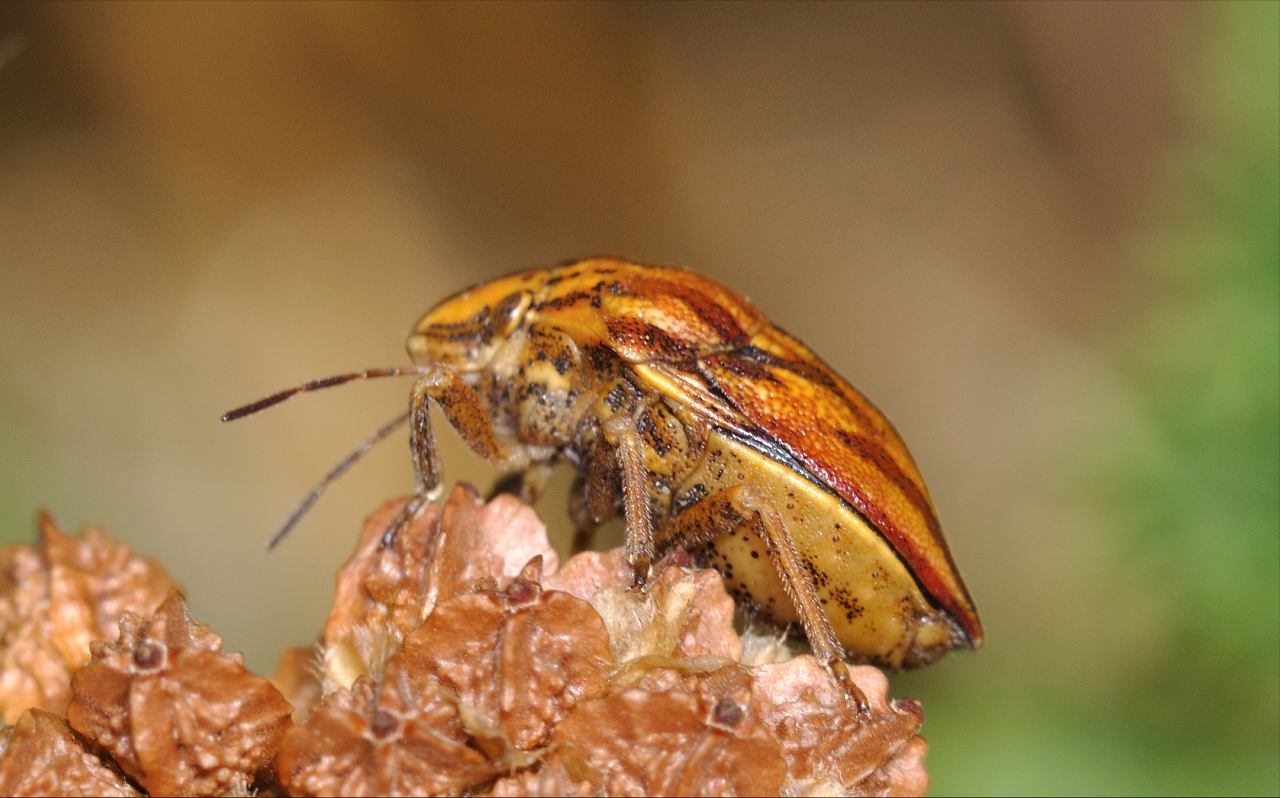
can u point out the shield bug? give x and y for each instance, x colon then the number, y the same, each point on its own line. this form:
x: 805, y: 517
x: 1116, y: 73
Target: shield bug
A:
x: 708, y: 428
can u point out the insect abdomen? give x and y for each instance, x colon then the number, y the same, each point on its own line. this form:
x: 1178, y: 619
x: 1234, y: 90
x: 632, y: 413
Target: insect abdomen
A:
x: 874, y: 604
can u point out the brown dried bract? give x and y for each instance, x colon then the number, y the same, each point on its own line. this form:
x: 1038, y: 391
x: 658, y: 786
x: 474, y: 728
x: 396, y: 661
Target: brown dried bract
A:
x: 675, y: 743
x: 403, y: 737
x: 55, y: 600
x: 384, y: 593
x: 518, y: 660
x: 682, y: 624
x: 40, y: 756
x: 174, y: 712
x: 825, y: 743
x: 551, y: 778
x: 589, y: 573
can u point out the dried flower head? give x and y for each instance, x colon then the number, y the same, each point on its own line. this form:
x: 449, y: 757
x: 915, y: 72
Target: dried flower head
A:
x: 459, y: 660
x: 573, y: 682
x: 55, y: 600
x: 174, y: 712
x: 551, y: 778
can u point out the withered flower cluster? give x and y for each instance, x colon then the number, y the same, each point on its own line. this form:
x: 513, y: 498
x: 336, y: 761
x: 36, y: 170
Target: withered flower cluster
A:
x: 463, y: 659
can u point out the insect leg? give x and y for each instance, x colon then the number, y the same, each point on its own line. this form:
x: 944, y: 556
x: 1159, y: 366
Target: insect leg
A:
x: 465, y: 411
x: 422, y: 442
x: 620, y: 430
x: 468, y: 415
x: 721, y: 513
x: 601, y: 489
x: 580, y: 515
x: 426, y: 460
x: 595, y: 496
x: 800, y: 587
x: 534, y: 481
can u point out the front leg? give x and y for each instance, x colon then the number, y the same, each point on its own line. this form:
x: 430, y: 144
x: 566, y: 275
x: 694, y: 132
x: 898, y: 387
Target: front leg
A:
x: 465, y: 411
x: 468, y: 415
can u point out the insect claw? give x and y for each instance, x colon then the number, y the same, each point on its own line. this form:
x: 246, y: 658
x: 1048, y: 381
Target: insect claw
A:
x: 640, y: 574
x: 406, y: 515
x: 639, y: 581
x: 861, y: 707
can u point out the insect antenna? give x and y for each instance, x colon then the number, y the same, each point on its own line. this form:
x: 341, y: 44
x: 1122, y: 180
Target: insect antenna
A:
x: 350, y: 459
x: 315, y: 385
x: 337, y: 471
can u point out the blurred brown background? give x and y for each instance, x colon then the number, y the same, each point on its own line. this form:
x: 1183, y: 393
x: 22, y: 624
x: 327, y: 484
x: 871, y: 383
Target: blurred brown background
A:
x: 202, y: 203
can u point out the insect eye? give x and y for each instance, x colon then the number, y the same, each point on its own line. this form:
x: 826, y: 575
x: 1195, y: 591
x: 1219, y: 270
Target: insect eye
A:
x: 508, y: 313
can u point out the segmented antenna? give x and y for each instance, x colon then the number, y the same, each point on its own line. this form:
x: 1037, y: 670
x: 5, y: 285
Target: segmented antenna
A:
x: 315, y: 385
x: 337, y: 471
x: 346, y: 462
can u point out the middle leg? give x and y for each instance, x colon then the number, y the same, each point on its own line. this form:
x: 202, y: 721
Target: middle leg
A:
x: 620, y: 432
x: 596, y: 495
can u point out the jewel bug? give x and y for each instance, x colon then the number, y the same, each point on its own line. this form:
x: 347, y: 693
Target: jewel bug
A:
x: 708, y: 428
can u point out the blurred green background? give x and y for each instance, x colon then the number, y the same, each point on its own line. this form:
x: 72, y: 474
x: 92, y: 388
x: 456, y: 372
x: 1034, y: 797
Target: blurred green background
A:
x: 1043, y: 237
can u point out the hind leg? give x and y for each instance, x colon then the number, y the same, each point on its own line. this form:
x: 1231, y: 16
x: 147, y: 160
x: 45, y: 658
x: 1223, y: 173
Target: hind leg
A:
x: 723, y: 512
